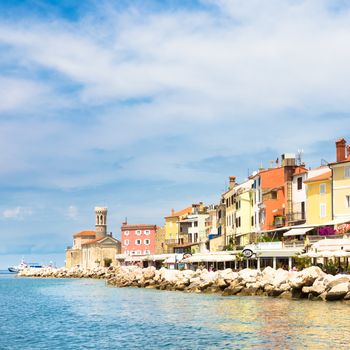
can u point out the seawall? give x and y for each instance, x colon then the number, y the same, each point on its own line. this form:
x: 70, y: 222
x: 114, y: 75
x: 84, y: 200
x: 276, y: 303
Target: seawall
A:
x: 311, y: 283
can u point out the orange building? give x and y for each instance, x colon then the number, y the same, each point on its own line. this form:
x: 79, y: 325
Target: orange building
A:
x: 276, y: 193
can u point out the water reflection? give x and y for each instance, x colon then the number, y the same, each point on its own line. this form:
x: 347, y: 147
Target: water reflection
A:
x: 151, y: 319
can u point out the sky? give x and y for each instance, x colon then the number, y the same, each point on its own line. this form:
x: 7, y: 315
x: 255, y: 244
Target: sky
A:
x: 143, y: 106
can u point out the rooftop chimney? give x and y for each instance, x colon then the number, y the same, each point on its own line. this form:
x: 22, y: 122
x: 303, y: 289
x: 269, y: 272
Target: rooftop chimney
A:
x: 232, y: 182
x: 340, y: 147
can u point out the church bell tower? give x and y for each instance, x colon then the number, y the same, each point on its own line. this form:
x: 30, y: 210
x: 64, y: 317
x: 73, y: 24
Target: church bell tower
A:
x: 101, y: 222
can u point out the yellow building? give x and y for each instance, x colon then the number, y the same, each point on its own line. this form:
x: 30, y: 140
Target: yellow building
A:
x: 341, y: 182
x: 244, y: 214
x: 319, y: 198
x: 172, y: 228
x: 230, y: 208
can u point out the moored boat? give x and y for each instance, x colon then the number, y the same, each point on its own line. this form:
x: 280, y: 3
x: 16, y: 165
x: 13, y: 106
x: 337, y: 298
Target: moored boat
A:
x: 23, y: 265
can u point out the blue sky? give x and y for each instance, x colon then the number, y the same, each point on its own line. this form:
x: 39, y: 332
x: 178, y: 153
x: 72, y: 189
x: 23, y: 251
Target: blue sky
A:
x: 144, y: 106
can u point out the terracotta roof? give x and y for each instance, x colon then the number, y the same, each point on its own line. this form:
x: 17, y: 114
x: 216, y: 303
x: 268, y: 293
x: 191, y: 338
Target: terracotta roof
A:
x: 185, y: 211
x: 93, y: 241
x: 85, y: 233
x: 322, y: 177
x: 299, y: 171
x: 342, y: 161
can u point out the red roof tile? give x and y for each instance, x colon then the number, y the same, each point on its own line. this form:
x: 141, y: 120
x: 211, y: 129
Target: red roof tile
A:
x: 85, y: 233
x: 322, y: 177
x: 185, y: 211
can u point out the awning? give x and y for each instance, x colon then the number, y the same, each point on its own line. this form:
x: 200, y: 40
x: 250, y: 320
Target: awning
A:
x: 297, y: 231
x: 173, y: 259
x: 196, y: 258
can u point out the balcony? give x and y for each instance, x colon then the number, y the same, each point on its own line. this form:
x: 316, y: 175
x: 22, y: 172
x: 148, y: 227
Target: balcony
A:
x: 315, y: 238
x: 279, y: 221
x: 294, y: 244
x: 174, y: 241
x: 296, y: 217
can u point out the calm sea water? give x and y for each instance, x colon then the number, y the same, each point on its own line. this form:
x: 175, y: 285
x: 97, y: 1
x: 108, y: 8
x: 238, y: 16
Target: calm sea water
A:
x: 85, y: 314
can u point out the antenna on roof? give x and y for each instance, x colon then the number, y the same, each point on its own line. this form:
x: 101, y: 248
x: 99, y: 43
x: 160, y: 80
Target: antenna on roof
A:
x: 324, y: 162
x: 299, y: 156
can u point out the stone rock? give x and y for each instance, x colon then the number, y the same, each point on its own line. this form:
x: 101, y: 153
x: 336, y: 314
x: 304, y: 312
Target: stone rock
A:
x: 149, y: 273
x: 232, y: 290
x: 314, y: 289
x: 275, y: 292
x: 338, y: 292
x: 284, y: 287
x: 286, y: 295
x: 221, y: 283
x: 338, y: 280
x: 280, y: 277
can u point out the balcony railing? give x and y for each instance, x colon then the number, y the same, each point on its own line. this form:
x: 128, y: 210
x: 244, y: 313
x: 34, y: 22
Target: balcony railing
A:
x: 279, y: 221
x: 313, y: 238
x: 296, y: 216
x: 296, y: 244
x: 174, y: 241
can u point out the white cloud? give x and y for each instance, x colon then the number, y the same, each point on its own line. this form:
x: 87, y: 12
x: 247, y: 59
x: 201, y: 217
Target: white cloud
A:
x: 72, y: 212
x: 17, y: 213
x: 236, y: 80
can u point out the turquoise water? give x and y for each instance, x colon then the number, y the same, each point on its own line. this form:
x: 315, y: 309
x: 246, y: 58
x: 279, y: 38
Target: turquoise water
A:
x: 85, y: 314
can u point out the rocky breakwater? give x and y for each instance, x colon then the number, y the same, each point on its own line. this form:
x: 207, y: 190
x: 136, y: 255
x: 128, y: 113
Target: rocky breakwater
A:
x: 49, y: 272
x: 311, y: 283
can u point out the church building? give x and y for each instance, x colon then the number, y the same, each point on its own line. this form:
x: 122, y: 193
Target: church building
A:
x: 94, y: 248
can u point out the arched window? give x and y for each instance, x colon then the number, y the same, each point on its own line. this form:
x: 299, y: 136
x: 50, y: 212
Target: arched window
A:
x: 101, y: 219
x: 98, y: 220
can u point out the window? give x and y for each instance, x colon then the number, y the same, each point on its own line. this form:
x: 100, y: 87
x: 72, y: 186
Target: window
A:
x: 147, y: 241
x: 195, y: 223
x: 300, y: 183
x: 146, y: 252
x: 273, y: 194
x: 252, y: 221
x: 126, y: 233
x: 146, y: 232
x: 138, y: 232
x: 322, y: 210
x: 347, y: 201
x: 322, y: 188
x: 126, y: 242
x: 238, y: 222
x: 133, y: 252
x: 138, y: 241
x: 138, y: 252
x: 347, y: 171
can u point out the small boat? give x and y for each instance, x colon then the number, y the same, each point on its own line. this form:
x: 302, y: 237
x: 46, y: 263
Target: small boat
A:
x: 23, y: 265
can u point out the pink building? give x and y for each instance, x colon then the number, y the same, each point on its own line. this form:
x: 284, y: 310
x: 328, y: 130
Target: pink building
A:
x: 138, y: 239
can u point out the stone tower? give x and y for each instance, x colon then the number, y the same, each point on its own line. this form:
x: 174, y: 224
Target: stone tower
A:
x: 101, y: 222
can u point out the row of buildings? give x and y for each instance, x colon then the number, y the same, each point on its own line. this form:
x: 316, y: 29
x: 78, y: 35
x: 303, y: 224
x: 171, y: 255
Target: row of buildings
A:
x: 284, y: 202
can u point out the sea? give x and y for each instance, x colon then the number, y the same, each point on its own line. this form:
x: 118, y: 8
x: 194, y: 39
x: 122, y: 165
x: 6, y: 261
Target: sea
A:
x: 87, y: 314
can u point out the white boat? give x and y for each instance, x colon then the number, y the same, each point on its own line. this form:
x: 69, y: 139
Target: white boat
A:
x: 23, y: 265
